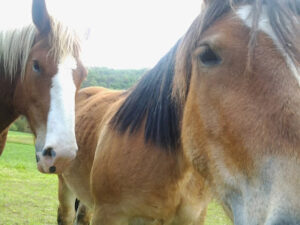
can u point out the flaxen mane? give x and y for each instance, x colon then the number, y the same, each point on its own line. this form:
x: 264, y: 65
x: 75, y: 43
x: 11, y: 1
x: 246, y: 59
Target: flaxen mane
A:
x: 151, y: 99
x: 63, y: 41
x: 16, y: 44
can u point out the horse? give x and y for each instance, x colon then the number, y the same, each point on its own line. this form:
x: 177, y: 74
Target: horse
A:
x: 40, y: 73
x: 167, y: 193
x: 218, y: 116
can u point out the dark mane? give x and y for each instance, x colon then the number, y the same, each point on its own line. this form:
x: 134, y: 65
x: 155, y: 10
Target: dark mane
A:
x: 158, y: 101
x: 151, y: 101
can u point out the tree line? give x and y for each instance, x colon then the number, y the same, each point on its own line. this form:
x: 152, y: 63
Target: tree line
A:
x: 97, y: 76
x: 111, y: 78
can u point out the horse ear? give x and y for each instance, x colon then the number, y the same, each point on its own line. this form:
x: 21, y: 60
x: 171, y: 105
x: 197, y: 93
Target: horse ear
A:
x: 87, y: 34
x: 40, y: 16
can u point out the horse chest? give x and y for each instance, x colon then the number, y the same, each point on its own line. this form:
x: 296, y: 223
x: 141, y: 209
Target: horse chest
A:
x: 78, y: 181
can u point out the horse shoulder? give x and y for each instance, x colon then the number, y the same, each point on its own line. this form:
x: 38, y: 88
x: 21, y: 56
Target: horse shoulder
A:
x: 91, y: 105
x: 130, y: 172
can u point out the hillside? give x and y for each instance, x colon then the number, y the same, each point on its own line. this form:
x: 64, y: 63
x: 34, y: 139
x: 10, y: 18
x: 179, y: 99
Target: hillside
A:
x: 97, y: 76
x: 111, y: 78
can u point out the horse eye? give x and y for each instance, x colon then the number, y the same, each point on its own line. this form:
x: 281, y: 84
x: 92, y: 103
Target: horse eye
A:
x: 209, y: 58
x: 36, y: 67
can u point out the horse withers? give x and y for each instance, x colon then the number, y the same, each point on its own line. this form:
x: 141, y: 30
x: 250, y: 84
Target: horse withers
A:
x: 225, y: 101
x: 40, y: 72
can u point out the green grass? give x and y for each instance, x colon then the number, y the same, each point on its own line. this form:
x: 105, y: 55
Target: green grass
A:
x: 216, y: 215
x: 20, y: 137
x: 28, y: 197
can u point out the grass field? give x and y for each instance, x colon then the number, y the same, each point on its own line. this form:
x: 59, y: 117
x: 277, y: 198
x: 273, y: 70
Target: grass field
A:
x: 29, y: 197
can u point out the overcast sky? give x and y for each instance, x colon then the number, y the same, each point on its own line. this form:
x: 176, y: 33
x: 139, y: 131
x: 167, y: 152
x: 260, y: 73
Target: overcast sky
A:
x: 124, y: 33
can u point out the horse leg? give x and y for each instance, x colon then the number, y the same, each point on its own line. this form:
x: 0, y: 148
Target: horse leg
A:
x: 146, y: 222
x: 66, y: 212
x: 3, y: 136
x: 83, y: 215
x: 108, y: 215
x: 202, y: 217
x: 157, y: 222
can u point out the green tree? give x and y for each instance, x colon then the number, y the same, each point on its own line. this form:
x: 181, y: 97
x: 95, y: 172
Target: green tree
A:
x: 111, y: 78
x: 20, y: 124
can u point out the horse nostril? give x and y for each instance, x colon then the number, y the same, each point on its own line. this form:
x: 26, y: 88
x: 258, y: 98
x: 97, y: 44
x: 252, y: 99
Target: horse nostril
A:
x: 52, y: 169
x: 37, y: 158
x: 49, y: 152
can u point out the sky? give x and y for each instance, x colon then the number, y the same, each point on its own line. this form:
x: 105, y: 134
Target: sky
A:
x: 124, y: 34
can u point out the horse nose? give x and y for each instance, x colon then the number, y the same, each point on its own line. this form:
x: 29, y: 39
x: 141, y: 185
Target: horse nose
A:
x: 49, y: 152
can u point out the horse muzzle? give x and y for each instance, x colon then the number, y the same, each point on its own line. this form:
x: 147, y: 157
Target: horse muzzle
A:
x: 55, y: 160
x: 286, y: 220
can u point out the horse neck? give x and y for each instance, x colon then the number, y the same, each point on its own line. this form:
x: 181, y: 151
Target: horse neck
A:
x: 91, y: 106
x: 8, y: 112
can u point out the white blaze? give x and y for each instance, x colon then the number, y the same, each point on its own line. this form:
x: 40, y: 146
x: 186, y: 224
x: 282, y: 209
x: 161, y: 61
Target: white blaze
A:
x: 264, y: 25
x: 61, y: 118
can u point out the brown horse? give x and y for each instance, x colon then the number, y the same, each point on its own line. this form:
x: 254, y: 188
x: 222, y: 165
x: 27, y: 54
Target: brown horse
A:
x: 40, y: 71
x: 168, y: 191
x: 224, y: 101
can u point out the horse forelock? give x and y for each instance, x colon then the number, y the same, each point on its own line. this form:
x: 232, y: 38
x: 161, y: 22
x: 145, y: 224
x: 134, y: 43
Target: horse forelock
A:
x: 284, y: 22
x: 63, y: 41
x: 16, y: 45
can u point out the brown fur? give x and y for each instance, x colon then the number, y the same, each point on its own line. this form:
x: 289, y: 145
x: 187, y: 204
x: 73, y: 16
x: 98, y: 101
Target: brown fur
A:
x: 7, y: 111
x: 239, y: 122
x: 3, y: 137
x: 130, y: 179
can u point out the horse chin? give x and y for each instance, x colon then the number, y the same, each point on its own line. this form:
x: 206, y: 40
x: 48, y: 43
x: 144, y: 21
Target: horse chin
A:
x: 268, y: 198
x: 263, y: 215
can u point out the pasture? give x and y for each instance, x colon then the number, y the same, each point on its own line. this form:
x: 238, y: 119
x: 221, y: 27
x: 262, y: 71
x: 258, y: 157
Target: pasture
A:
x: 28, y: 197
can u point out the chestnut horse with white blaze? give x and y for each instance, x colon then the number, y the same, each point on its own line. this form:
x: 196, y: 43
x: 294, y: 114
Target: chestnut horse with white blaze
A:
x: 218, y: 114
x: 40, y: 72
